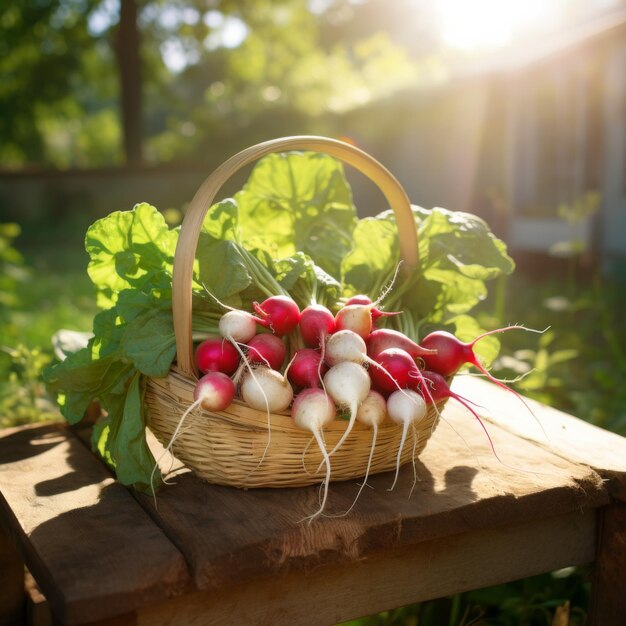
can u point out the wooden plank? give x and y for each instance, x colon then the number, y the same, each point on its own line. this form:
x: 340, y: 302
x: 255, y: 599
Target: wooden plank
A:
x: 568, y: 436
x: 92, y: 549
x: 229, y: 535
x: 433, y: 569
x: 12, y: 596
x: 608, y: 601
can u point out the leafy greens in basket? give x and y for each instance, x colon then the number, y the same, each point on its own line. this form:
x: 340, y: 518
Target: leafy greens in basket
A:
x: 291, y: 230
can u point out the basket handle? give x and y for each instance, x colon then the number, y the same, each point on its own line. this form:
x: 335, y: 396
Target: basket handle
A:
x: 194, y: 217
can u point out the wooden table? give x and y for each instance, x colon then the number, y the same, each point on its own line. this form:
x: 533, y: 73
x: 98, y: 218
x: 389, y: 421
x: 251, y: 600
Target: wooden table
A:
x: 216, y: 555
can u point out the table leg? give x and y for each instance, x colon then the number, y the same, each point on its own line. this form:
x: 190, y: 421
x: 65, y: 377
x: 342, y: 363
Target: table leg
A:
x: 12, y: 595
x: 608, y: 600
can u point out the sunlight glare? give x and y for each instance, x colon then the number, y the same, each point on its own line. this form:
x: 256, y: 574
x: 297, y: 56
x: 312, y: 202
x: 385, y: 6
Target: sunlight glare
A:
x: 483, y: 24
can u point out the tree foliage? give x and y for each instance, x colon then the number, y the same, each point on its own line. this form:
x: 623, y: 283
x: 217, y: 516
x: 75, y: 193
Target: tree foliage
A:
x: 212, y: 70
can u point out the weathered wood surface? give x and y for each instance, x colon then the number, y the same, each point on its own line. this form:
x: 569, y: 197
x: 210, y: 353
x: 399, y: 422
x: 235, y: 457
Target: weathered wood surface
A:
x: 393, y: 578
x: 608, y: 601
x: 568, y: 436
x: 229, y: 536
x: 75, y: 522
x: 93, y: 550
x: 12, y: 596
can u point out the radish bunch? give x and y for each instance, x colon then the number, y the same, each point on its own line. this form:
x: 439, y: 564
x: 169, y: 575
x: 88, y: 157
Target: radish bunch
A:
x: 342, y: 363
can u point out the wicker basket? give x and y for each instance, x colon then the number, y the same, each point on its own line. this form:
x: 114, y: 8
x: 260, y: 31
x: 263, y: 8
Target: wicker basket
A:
x: 226, y: 447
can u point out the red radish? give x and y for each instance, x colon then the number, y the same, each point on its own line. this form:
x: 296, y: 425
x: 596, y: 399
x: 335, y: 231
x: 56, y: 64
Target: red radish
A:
x: 268, y: 350
x: 265, y: 388
x: 214, y: 391
x: 216, y: 355
x: 279, y: 313
x: 408, y: 408
x: 348, y: 384
x: 376, y: 312
x: 316, y: 323
x: 312, y: 410
x: 452, y: 353
x: 439, y: 390
x: 306, y: 368
x: 384, y: 338
x: 396, y: 370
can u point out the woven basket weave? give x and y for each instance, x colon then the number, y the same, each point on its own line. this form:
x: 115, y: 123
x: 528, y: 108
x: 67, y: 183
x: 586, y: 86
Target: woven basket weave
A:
x: 226, y: 447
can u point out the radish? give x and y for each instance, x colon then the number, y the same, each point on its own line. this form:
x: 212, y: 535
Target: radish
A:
x: 267, y: 349
x: 213, y: 392
x: 263, y: 388
x: 279, y: 313
x: 316, y: 323
x: 384, y: 338
x: 376, y: 312
x: 355, y: 317
x: 348, y: 384
x: 408, y: 408
x: 372, y: 412
x: 346, y: 345
x: 216, y: 355
x: 439, y: 390
x: 452, y: 353
x: 396, y: 370
x: 238, y: 326
x: 359, y: 317
x: 306, y: 368
x: 312, y: 410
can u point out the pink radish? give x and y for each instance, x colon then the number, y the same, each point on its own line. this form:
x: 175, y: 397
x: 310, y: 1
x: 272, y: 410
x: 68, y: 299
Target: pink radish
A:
x: 306, y: 368
x: 216, y: 355
x: 213, y: 392
x: 355, y: 317
x: 279, y: 313
x: 313, y: 410
x: 384, y: 338
x: 268, y: 350
x: 348, y: 384
x: 408, y: 408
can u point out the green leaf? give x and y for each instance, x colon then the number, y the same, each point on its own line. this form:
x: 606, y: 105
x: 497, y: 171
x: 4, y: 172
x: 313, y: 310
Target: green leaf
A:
x: 150, y: 344
x: 83, y: 377
x: 298, y: 202
x: 129, y: 249
x: 221, y: 267
x: 126, y: 442
x: 222, y: 220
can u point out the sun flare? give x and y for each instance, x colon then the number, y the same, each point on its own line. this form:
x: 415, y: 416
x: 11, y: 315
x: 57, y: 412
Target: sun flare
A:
x: 483, y: 24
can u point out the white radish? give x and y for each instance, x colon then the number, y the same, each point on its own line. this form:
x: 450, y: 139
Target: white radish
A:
x: 312, y: 410
x: 372, y: 412
x: 263, y: 388
x: 348, y: 384
x: 237, y: 326
x: 408, y: 408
